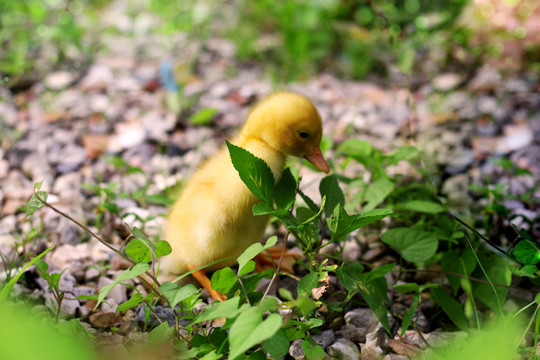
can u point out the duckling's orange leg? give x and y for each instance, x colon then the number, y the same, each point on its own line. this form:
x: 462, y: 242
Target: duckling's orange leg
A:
x: 270, y: 259
x: 205, y: 282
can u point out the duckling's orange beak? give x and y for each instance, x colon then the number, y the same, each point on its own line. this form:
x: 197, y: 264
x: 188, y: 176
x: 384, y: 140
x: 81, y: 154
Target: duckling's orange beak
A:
x: 316, y: 158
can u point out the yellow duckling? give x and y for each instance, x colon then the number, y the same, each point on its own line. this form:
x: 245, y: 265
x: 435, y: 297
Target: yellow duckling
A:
x: 213, y: 217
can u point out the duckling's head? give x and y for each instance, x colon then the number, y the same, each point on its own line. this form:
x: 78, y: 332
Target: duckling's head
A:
x: 289, y: 123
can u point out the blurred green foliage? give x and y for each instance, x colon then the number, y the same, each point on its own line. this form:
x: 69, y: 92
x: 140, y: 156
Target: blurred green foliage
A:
x: 292, y: 39
x: 36, y: 29
x: 354, y: 37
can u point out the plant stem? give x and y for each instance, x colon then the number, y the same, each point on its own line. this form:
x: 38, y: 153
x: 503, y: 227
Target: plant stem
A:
x: 95, y: 236
x: 244, y: 289
x: 276, y: 272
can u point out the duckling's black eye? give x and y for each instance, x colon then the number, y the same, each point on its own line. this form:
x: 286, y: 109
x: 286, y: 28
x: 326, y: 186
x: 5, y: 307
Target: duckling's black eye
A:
x: 304, y: 134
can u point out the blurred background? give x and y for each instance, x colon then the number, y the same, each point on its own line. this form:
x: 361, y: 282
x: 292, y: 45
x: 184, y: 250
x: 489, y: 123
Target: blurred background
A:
x: 405, y: 41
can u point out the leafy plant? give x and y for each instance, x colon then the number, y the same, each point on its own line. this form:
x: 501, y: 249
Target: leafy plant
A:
x: 250, y: 319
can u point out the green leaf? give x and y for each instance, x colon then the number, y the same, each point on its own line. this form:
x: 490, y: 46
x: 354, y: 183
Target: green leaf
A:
x: 212, y: 355
x: 342, y: 224
x: 135, y: 300
x: 226, y: 309
x: 409, y: 313
x: 268, y: 304
x: 348, y: 275
x: 132, y: 273
x: 139, y: 250
x: 285, y: 294
x: 43, y: 268
x: 407, y: 288
x: 423, y: 206
x: 413, y: 287
x: 116, y: 161
x: 223, y: 280
x: 301, y: 213
x: 34, y: 203
x: 139, y: 234
x: 494, y: 297
x: 356, y: 148
x: 257, y: 355
x: 527, y: 270
x: 134, y: 170
x: 219, y: 339
x: 161, y: 334
x: 374, y: 297
x: 38, y: 185
x: 368, y: 217
x: 49, y: 339
x: 329, y: 187
x: 55, y: 280
x: 253, y: 251
x: 203, y: 116
x: 159, y: 199
x: 285, y: 190
x: 262, y: 208
x: 403, y: 153
x: 310, y: 203
x: 174, y: 293
x: 277, y: 345
x: 112, y: 208
x: 308, y: 283
x: 87, y: 297
x: 7, y: 288
x: 450, y: 306
x: 413, y: 244
x: 313, y: 351
x: 163, y: 248
x: 377, y: 272
x: 253, y: 171
x: 463, y: 263
x: 377, y: 192
x: 250, y: 329
x: 305, y: 304
x: 526, y: 252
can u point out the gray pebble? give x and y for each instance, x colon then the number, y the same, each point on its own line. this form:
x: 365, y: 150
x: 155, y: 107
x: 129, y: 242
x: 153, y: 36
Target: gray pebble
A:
x: 459, y: 163
x: 8, y: 225
x: 352, y: 333
x: 363, y: 318
x: 344, y: 349
x: 71, y: 159
x: 58, y: 80
x: 36, y: 166
x: 324, y: 338
x: 67, y: 187
x: 91, y: 274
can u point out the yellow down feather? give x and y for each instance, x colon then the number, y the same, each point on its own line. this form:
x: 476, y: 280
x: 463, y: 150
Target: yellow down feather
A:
x: 213, y: 219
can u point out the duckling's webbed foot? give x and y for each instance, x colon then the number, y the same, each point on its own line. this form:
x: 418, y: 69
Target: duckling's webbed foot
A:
x: 201, y: 277
x: 270, y: 259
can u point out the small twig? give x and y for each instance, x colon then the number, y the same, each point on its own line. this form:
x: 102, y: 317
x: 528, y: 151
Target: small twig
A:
x: 481, y: 236
x: 80, y: 225
x: 416, y: 321
x: 244, y: 289
x: 153, y: 311
x: 98, y: 238
x: 276, y: 272
x: 421, y: 336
